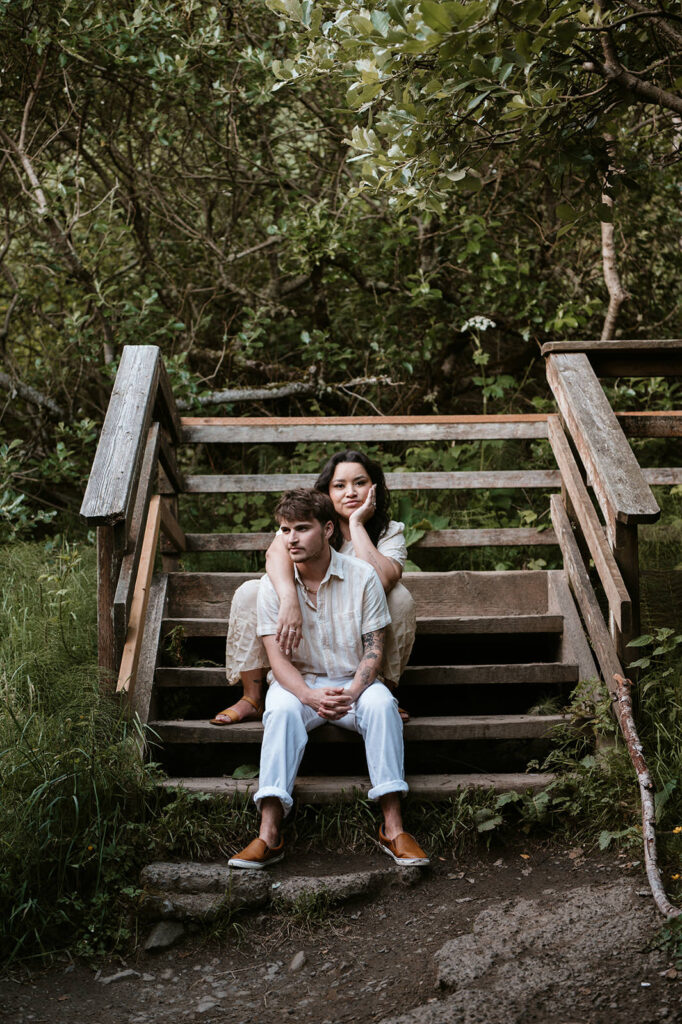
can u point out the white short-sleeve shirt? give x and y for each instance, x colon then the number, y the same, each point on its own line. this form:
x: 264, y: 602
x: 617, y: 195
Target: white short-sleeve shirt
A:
x: 350, y: 602
x: 391, y: 543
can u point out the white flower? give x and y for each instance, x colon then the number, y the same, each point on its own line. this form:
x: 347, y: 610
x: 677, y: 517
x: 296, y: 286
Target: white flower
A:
x: 481, y: 323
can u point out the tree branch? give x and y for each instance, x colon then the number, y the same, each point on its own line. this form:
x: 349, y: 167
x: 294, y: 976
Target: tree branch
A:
x: 646, y: 789
x: 613, y: 71
x: 313, y: 387
x: 617, y: 294
x: 32, y: 395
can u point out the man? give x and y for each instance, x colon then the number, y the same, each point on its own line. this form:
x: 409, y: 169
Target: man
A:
x: 332, y: 677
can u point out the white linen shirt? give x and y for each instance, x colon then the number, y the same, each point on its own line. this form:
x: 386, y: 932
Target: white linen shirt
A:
x: 350, y: 602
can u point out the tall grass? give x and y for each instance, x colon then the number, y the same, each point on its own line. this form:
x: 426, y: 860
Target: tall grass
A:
x: 72, y: 788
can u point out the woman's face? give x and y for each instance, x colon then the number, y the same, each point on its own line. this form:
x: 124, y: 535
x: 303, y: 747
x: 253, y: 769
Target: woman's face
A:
x: 349, y: 488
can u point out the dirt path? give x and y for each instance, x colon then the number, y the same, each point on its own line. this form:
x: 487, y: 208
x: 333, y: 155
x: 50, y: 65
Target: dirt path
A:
x: 536, y: 935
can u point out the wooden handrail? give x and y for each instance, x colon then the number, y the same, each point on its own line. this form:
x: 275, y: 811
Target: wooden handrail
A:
x: 579, y: 579
x: 133, y: 644
x: 612, y: 469
x: 616, y: 592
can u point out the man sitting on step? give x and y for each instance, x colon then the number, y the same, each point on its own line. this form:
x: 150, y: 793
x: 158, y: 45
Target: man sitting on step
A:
x: 332, y: 677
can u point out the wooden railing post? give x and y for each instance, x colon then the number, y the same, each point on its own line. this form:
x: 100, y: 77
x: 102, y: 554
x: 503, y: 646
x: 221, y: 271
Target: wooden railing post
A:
x: 140, y: 429
x: 626, y: 552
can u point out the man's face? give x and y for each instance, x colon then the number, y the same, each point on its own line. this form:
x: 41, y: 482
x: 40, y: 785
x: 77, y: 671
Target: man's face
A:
x: 306, y: 540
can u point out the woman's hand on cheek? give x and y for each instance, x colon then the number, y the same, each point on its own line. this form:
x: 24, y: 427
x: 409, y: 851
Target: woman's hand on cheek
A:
x: 363, y: 514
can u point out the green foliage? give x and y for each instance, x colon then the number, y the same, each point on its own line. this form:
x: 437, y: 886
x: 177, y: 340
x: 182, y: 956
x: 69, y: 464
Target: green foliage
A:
x: 185, y: 201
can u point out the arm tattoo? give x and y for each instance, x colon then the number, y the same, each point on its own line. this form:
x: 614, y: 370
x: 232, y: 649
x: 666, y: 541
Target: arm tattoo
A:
x: 373, y: 645
x: 372, y: 653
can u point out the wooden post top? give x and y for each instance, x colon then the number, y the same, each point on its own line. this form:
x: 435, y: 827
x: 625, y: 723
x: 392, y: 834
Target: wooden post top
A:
x: 626, y: 357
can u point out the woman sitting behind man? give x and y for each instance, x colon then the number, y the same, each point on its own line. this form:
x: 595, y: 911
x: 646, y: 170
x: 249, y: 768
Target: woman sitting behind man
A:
x: 358, y: 491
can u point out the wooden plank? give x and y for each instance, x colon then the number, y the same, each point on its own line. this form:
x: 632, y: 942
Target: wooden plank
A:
x: 133, y: 645
x: 141, y: 700
x: 469, y: 727
x: 250, y: 430
x: 168, y: 411
x: 484, y: 538
x: 612, y: 581
x: 584, y: 594
x: 625, y: 358
x: 171, y: 528
x: 111, y: 487
x: 170, y: 466
x: 414, y: 675
x: 521, y: 537
x: 573, y: 644
x: 663, y: 477
x: 453, y: 625
x: 126, y: 579
x: 651, y: 424
x: 493, y: 624
x: 209, y: 594
x: 532, y: 673
x: 276, y: 482
x: 626, y: 554
x: 106, y: 643
x: 612, y: 469
x: 325, y: 790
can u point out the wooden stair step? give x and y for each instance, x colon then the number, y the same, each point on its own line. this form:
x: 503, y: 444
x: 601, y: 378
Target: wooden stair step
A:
x: 482, y: 675
x: 459, y: 624
x: 468, y: 727
x: 326, y: 789
x: 439, y: 675
x: 449, y: 624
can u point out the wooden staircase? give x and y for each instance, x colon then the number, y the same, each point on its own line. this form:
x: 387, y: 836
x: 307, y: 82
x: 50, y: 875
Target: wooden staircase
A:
x: 519, y: 641
x: 497, y: 654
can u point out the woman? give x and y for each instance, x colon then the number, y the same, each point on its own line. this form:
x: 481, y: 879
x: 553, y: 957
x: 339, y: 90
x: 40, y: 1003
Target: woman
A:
x: 358, y: 491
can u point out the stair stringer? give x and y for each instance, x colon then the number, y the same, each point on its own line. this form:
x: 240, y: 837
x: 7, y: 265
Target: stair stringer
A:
x: 574, y: 646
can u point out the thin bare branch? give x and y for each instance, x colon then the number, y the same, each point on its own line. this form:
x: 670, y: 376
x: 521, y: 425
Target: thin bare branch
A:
x: 646, y: 789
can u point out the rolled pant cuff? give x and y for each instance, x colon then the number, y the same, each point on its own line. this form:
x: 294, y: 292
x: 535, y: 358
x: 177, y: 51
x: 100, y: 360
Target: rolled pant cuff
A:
x: 281, y: 795
x: 397, y: 786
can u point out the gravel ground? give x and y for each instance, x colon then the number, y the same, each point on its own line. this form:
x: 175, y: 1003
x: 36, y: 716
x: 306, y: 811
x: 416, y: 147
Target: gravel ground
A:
x: 535, y: 934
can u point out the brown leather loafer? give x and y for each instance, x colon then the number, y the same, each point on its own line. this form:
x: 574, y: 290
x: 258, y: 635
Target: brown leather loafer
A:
x: 404, y: 849
x: 257, y: 855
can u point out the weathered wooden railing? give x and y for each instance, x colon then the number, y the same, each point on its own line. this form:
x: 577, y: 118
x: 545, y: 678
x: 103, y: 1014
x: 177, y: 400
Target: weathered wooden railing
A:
x: 135, y: 458
x: 132, y: 495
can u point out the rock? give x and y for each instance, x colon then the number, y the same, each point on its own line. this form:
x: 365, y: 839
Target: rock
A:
x: 164, y: 935
x: 185, y: 906
x: 520, y: 952
x: 206, y: 1004
x: 190, y: 892
x: 120, y: 976
x: 337, y: 887
x: 194, y: 878
x: 298, y: 961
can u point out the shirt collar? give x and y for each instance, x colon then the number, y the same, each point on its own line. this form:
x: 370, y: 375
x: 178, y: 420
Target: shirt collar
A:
x: 335, y: 568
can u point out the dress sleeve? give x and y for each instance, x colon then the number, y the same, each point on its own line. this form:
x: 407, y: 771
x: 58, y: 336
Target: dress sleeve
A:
x: 392, y: 544
x: 268, y: 608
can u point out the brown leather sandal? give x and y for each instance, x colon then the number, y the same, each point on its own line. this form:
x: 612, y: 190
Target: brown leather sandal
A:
x: 257, y: 705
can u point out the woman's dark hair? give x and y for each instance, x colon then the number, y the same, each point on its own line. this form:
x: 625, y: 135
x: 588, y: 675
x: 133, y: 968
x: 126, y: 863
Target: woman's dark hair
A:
x: 379, y: 521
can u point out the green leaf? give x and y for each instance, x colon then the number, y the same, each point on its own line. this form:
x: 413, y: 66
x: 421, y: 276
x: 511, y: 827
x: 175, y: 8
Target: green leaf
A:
x: 489, y: 824
x: 641, y: 641
x: 565, y: 212
x: 245, y: 771
x: 395, y: 8
x: 436, y: 16
x: 381, y: 22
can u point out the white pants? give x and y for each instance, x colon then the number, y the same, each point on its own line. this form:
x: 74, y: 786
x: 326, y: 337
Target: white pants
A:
x: 287, y: 723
